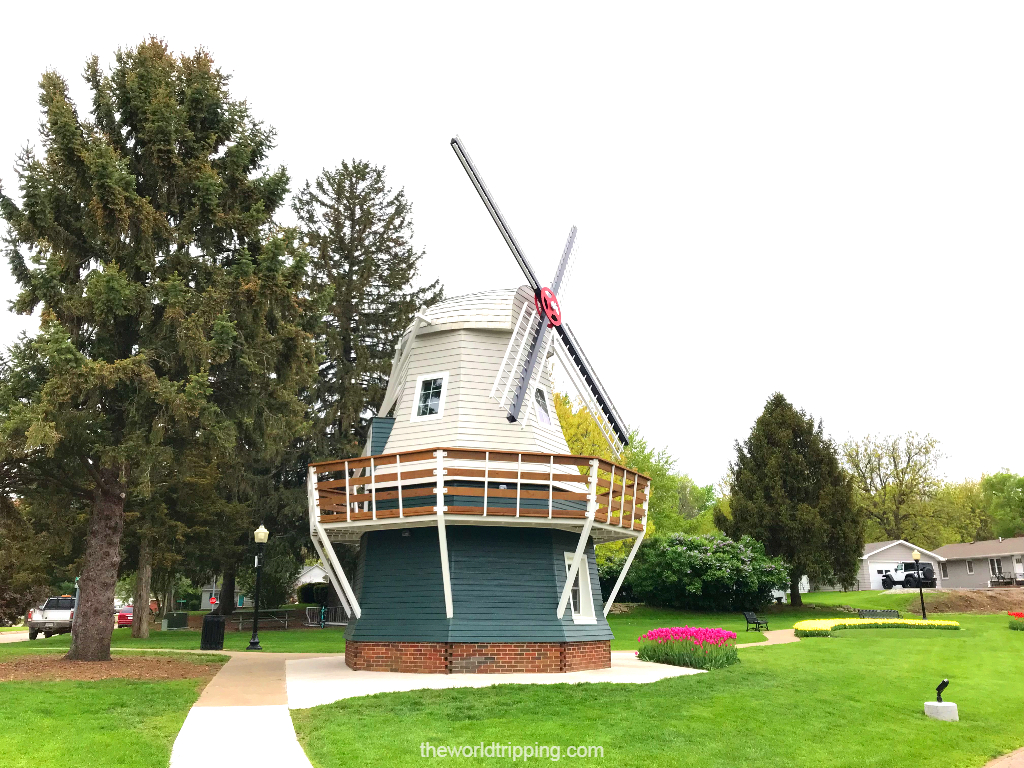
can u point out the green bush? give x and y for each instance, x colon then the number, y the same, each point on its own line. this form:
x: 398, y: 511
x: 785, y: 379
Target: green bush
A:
x: 1017, y: 624
x: 708, y: 573
x: 314, y: 593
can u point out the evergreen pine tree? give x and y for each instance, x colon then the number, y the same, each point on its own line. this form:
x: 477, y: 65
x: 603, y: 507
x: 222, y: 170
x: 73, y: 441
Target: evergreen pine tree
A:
x: 789, y: 492
x: 145, y: 236
x: 362, y: 270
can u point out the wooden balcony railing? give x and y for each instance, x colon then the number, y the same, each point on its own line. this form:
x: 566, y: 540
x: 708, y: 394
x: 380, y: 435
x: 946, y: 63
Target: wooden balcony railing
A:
x: 457, y: 481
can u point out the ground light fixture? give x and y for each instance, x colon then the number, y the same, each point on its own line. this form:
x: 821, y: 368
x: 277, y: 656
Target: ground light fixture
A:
x: 920, y: 589
x: 939, y: 689
x: 261, y: 535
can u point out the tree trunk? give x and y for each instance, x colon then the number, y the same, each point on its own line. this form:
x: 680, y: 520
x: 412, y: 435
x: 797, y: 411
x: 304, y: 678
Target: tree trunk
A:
x: 227, y: 593
x: 794, y: 591
x: 93, y: 623
x: 140, y: 611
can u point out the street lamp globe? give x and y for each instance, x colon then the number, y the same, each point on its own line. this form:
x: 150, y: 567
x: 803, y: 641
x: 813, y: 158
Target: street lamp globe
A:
x: 261, y: 535
x: 916, y: 555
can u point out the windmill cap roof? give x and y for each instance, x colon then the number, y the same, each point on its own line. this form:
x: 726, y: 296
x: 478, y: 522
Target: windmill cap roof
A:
x: 498, y: 310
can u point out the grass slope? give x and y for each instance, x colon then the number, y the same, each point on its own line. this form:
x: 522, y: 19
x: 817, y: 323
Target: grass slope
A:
x: 109, y: 723
x: 850, y: 701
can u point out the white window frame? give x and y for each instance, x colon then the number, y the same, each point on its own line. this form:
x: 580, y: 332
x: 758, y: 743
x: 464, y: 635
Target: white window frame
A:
x: 995, y: 566
x: 552, y: 424
x: 583, y: 613
x: 944, y: 570
x: 970, y: 567
x: 443, y: 375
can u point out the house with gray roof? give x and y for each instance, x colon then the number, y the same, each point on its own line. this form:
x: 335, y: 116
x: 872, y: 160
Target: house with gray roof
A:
x: 981, y: 564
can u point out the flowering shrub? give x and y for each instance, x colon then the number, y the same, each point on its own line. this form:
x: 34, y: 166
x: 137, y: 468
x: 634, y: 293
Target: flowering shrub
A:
x: 696, y: 647
x: 1016, y: 620
x: 707, y: 572
x: 824, y: 627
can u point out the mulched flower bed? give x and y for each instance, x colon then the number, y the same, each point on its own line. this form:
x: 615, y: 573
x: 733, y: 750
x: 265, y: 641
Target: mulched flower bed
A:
x: 130, y: 667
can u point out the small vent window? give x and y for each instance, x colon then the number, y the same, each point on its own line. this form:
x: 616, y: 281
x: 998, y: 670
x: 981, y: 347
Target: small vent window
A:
x: 542, y: 408
x: 430, y: 396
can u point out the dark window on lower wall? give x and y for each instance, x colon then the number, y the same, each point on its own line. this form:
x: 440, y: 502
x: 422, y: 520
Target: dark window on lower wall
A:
x: 970, y: 567
x: 944, y: 570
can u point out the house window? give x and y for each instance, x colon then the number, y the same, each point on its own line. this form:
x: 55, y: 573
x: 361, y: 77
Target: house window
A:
x: 970, y: 566
x: 943, y: 570
x: 995, y: 566
x: 430, y: 396
x: 542, y: 407
x: 581, y: 599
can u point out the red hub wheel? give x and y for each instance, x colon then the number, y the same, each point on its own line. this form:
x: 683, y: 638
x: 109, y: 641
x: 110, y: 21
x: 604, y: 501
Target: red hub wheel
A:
x: 547, y: 304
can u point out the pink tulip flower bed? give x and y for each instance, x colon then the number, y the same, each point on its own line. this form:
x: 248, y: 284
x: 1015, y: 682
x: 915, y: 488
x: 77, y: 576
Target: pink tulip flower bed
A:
x: 694, y: 647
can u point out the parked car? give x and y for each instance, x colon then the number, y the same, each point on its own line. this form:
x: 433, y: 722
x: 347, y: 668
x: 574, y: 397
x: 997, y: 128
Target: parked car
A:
x: 54, y: 617
x: 907, y: 575
x: 124, y: 617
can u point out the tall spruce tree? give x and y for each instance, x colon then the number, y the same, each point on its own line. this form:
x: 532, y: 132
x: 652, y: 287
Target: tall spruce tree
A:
x: 789, y: 492
x: 145, y: 236
x: 362, y: 270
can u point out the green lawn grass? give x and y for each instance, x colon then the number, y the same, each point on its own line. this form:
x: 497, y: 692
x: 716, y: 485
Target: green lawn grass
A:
x: 109, y: 723
x: 13, y: 629
x: 878, y: 599
x: 329, y: 640
x: 849, y: 701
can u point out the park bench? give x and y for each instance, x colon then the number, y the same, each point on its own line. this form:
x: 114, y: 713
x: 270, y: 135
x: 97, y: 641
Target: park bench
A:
x: 753, y: 621
x: 869, y: 614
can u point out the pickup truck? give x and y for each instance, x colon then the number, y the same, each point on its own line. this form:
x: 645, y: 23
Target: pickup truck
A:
x: 52, y: 618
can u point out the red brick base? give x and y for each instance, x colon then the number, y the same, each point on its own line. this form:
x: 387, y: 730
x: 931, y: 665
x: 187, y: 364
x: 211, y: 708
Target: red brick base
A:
x: 481, y: 658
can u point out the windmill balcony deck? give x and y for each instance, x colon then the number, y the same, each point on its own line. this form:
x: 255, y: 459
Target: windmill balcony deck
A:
x: 478, y: 487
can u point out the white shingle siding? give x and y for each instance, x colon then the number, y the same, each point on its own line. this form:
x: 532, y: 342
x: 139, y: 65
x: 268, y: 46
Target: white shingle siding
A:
x: 471, y: 418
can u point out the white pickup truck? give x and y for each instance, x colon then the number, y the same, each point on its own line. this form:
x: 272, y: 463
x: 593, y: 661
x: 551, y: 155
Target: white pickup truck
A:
x: 53, y: 618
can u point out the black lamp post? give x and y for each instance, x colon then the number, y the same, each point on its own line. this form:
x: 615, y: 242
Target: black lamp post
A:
x: 920, y: 589
x: 261, y: 535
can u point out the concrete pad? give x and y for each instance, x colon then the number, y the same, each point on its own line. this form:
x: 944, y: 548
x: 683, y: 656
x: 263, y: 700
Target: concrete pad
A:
x: 942, y: 710
x: 265, y: 738
x: 312, y: 682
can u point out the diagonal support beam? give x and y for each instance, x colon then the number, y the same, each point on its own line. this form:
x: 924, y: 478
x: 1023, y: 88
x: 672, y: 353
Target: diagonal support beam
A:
x: 323, y: 547
x: 574, y: 569
x: 623, y: 572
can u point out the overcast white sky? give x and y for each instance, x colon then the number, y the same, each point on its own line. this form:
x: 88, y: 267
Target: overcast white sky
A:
x: 818, y: 198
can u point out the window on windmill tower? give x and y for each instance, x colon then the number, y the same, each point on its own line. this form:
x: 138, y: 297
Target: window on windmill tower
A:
x: 542, y: 407
x: 430, y: 396
x: 581, y: 599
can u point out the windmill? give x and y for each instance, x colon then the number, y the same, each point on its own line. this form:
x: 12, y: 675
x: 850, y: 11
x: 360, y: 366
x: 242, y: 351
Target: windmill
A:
x: 548, y: 316
x: 474, y: 522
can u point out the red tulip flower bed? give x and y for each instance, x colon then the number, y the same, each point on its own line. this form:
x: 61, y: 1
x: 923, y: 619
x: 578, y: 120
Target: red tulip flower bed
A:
x: 1016, y: 620
x: 694, y: 647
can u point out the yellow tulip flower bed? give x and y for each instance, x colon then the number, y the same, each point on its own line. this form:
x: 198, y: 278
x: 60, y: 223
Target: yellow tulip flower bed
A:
x: 824, y: 627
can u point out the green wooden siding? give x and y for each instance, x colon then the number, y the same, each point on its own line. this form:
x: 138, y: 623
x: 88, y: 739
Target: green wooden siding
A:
x: 506, y: 582
x: 380, y: 431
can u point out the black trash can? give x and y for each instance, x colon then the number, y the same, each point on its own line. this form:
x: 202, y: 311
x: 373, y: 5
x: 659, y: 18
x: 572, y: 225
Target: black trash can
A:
x: 213, y: 633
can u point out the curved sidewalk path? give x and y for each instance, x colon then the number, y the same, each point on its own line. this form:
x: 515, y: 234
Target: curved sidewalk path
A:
x: 774, y: 637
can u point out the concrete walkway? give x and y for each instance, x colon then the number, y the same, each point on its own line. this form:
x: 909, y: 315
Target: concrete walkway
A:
x: 775, y: 637
x: 248, y: 697
x: 13, y: 637
x: 1013, y: 759
x: 312, y: 682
